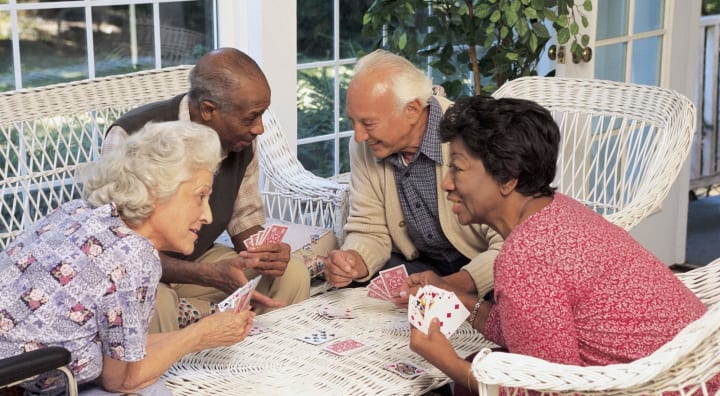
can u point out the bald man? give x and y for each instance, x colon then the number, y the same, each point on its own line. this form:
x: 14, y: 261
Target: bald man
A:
x: 229, y: 93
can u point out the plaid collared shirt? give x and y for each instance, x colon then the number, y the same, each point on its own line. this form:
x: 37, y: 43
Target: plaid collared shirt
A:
x: 417, y: 189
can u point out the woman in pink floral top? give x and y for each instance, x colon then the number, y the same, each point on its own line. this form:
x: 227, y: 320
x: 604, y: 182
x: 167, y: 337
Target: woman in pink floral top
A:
x: 570, y: 287
x: 85, y: 276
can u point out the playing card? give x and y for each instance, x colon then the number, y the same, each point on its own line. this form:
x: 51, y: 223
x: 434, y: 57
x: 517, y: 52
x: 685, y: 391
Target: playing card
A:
x: 345, y: 347
x: 257, y: 329
x: 318, y: 336
x: 432, y: 302
x: 334, y: 312
x: 393, y: 279
x: 416, y: 313
x: 377, y: 286
x: 405, y: 369
x: 249, y: 242
x: 260, y: 237
x: 375, y: 294
x: 274, y: 234
x: 451, y: 313
x: 240, y: 298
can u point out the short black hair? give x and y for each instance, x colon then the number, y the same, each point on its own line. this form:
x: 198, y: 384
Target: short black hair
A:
x: 514, y: 139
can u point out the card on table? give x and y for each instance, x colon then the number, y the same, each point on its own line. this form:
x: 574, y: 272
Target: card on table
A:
x: 240, y: 298
x: 317, y: 336
x: 388, y: 283
x: 257, y: 329
x: 345, y: 347
x: 405, y: 369
x: 336, y: 312
x: 432, y: 302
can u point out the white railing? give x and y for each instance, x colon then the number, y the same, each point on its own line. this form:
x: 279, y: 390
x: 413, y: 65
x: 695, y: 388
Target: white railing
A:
x: 704, y: 156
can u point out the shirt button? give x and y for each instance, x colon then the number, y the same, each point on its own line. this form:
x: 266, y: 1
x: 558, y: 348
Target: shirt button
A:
x: 401, y: 224
x: 417, y: 205
x: 429, y: 236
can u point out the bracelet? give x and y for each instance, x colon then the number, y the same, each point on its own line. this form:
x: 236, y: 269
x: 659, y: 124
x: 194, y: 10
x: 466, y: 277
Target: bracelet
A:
x: 475, y: 310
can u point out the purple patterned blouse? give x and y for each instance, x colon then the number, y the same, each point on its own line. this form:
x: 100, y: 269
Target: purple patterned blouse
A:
x: 81, y: 279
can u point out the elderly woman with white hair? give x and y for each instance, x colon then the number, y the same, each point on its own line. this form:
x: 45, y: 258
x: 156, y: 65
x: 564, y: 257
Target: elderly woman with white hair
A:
x: 85, y: 276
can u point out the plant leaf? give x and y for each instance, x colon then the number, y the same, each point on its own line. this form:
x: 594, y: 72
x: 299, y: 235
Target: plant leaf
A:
x: 563, y: 35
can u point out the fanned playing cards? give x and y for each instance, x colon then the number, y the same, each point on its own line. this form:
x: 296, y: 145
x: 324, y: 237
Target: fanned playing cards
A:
x: 240, y: 298
x: 387, y: 284
x: 268, y: 236
x: 433, y: 302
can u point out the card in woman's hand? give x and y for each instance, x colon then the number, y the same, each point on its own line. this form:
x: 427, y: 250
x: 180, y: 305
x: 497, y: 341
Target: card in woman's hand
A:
x: 240, y: 298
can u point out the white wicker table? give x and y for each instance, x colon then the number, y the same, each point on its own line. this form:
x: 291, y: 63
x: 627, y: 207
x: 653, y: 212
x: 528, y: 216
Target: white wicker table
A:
x: 276, y: 363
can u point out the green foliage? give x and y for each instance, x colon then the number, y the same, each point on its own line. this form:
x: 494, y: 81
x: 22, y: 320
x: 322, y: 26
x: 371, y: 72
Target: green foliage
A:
x: 476, y: 43
x: 710, y: 7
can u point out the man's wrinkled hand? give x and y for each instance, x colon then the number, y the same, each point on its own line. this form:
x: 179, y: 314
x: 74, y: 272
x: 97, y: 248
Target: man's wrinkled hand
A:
x: 343, y: 266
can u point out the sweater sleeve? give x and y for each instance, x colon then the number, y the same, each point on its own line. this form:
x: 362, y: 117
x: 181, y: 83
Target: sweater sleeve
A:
x: 481, y: 266
x: 366, y: 227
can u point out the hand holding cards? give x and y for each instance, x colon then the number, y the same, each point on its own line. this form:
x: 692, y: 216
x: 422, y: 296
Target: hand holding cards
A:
x: 387, y: 284
x: 240, y: 298
x: 268, y: 236
x: 433, y: 302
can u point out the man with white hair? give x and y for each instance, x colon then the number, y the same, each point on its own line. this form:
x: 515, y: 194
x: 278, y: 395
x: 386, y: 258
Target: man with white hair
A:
x: 398, y: 213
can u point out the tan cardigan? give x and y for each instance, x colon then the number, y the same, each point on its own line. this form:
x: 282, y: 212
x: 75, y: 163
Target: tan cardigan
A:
x: 376, y: 225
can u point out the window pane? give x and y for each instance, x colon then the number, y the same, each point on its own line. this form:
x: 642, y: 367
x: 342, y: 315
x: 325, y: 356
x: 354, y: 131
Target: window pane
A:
x: 122, y: 47
x: 186, y: 31
x: 53, y: 48
x: 648, y: 15
x: 318, y: 157
x: 344, y: 155
x: 314, y: 30
x: 7, y: 71
x: 645, y: 67
x: 610, y: 62
x: 351, y: 22
x: 315, y: 102
x: 612, y: 18
x: 345, y: 76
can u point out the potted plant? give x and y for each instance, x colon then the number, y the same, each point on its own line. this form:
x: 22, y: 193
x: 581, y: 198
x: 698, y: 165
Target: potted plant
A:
x: 485, y: 41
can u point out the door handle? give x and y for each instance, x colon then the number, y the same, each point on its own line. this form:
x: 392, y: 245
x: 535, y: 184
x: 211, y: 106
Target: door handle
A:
x: 555, y: 52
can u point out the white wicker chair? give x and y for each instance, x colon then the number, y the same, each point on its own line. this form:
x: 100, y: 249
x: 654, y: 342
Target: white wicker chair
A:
x: 46, y: 133
x: 682, y: 365
x: 622, y: 144
x: 291, y: 192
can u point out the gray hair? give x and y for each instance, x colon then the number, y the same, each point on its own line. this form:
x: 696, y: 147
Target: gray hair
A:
x: 150, y: 166
x: 407, y: 82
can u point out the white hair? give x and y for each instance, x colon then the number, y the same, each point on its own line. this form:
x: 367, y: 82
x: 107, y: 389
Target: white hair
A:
x: 150, y: 166
x: 406, y: 81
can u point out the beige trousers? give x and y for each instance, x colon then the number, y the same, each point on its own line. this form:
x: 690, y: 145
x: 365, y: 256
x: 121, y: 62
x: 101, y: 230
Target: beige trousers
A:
x: 292, y: 287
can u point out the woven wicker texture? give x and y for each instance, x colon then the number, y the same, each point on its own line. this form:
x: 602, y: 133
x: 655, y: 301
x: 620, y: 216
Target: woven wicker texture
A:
x: 291, y: 192
x: 275, y: 363
x: 683, y: 365
x: 47, y: 133
x: 622, y: 144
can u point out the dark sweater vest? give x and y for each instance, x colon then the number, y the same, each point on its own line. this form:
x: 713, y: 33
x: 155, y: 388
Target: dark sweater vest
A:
x: 225, y: 185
